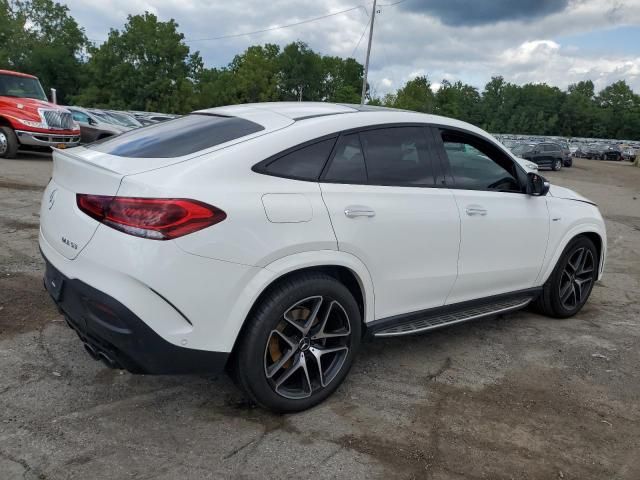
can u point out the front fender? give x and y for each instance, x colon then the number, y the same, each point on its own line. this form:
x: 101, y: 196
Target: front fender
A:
x: 574, y: 231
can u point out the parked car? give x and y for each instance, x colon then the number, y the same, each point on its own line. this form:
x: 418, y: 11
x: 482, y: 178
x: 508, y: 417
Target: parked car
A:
x: 270, y: 239
x: 567, y: 160
x: 611, y: 152
x: 94, y: 127
x: 629, y: 154
x: 28, y: 120
x: 124, y: 119
x: 594, y: 151
x: 545, y: 155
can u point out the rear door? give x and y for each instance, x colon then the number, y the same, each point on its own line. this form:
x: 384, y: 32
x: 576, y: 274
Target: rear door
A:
x: 380, y: 190
x: 504, y: 232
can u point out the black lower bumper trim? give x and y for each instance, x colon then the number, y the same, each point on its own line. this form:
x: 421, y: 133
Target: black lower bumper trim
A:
x: 112, y: 333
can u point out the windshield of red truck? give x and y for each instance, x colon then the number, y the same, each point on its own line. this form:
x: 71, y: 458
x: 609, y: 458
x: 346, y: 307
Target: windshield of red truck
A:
x: 25, y: 87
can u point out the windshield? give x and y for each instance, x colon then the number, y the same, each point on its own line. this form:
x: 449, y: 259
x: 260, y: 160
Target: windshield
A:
x: 125, y: 120
x: 25, y: 87
x: 104, y: 117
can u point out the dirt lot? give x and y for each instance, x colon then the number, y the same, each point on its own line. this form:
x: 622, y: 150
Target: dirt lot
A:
x: 516, y: 397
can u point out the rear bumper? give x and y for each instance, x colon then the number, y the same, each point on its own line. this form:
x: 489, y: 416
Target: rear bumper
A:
x: 58, y: 140
x: 112, y: 333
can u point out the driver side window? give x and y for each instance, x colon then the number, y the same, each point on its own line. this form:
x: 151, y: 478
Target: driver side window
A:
x: 477, y: 165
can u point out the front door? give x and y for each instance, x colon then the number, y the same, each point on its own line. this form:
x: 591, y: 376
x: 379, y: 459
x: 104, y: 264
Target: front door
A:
x: 385, y: 209
x: 504, y: 231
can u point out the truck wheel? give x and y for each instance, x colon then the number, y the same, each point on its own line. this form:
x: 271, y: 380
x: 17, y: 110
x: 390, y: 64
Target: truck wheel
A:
x: 8, y: 143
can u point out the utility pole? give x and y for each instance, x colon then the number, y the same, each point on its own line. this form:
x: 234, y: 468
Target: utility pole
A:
x: 366, y: 63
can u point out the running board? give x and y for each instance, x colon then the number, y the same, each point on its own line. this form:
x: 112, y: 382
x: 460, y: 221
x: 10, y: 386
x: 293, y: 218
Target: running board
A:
x: 449, y: 315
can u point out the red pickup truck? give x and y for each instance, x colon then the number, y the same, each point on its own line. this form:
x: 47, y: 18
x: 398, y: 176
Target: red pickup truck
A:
x: 28, y: 120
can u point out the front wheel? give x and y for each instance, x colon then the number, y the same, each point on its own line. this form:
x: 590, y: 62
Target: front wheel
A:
x: 557, y: 165
x: 8, y: 143
x: 299, y: 343
x: 570, y: 284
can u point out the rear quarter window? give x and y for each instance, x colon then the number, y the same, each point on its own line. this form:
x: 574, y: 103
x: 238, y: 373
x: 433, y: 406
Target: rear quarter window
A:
x: 303, y: 163
x: 175, y: 138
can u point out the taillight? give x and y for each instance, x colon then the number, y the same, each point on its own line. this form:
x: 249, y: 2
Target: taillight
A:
x: 154, y: 218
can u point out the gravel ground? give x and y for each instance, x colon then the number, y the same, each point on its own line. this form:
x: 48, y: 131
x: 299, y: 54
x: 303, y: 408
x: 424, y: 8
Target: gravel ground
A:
x: 516, y: 397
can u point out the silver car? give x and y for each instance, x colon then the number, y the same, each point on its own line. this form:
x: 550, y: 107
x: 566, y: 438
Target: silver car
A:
x: 94, y: 127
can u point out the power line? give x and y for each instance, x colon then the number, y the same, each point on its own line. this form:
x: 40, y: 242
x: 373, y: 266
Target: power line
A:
x: 391, y: 4
x: 270, y: 29
x: 278, y: 27
x: 364, y: 30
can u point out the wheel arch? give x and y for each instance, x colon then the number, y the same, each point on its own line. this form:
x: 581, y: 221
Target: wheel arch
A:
x: 594, y: 233
x: 4, y: 122
x: 346, y: 268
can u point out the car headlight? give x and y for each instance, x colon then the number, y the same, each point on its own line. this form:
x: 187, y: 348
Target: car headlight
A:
x: 32, y: 124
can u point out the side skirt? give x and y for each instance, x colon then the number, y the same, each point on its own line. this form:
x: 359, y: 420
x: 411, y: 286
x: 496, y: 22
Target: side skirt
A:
x: 438, y: 317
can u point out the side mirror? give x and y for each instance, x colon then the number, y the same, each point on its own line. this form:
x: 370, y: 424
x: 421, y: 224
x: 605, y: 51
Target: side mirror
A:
x: 92, y: 121
x: 537, y: 185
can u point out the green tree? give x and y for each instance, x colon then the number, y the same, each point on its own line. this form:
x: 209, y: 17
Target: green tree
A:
x: 147, y: 66
x: 255, y: 73
x: 578, y: 115
x: 342, y: 80
x: 416, y: 95
x: 620, y: 110
x: 41, y: 37
x: 301, y: 73
x: 458, y: 100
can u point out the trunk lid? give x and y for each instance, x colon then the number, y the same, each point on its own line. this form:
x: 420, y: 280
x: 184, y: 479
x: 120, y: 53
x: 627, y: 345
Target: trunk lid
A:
x: 63, y: 225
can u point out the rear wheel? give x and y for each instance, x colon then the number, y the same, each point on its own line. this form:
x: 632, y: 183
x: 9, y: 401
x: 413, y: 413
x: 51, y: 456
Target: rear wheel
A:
x: 569, y: 286
x: 8, y: 143
x: 299, y: 343
x: 557, y: 165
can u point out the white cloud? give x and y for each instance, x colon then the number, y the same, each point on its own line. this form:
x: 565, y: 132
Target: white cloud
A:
x: 407, y: 43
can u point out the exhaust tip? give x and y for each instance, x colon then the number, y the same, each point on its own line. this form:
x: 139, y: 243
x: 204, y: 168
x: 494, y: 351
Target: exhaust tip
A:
x: 91, y: 351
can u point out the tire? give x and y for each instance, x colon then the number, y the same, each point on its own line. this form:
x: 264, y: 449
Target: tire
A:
x: 552, y: 301
x: 8, y: 143
x: 568, y: 162
x: 557, y: 165
x: 283, y: 339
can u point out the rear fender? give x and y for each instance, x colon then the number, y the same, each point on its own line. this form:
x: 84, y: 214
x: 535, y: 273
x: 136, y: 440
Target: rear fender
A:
x: 299, y: 261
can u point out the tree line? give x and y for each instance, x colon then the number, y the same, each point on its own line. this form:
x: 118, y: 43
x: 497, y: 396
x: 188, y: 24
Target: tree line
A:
x: 147, y: 65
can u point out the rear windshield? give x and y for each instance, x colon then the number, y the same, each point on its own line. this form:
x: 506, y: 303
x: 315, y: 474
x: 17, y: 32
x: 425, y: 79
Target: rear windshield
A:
x: 175, y: 138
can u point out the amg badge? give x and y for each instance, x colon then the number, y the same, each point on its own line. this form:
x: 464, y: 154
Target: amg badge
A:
x: 69, y: 243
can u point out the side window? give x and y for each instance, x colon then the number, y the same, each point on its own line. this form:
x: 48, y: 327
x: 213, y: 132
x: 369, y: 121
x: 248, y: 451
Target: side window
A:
x: 397, y: 156
x: 305, y: 163
x: 347, y: 165
x: 478, y: 165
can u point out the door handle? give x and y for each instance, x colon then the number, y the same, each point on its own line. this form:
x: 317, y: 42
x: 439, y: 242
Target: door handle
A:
x: 476, y: 211
x: 358, y: 211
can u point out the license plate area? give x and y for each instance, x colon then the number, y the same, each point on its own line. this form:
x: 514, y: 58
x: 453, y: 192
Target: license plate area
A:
x: 53, y: 281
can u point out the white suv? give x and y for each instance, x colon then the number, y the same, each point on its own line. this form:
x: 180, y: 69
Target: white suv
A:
x: 272, y: 238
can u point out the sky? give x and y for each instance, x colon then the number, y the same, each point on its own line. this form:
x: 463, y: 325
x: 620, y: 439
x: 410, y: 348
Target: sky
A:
x: 558, y: 42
